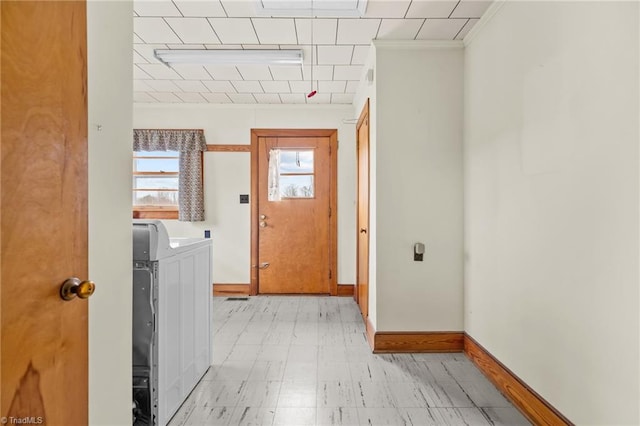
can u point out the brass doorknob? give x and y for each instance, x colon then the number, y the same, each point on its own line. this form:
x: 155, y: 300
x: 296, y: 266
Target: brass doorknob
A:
x: 74, y: 287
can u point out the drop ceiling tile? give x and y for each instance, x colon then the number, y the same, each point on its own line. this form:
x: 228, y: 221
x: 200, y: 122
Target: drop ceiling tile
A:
x: 440, y: 29
x: 399, y: 29
x: 138, y: 58
x: 324, y: 31
x: 234, y: 30
x: 146, y: 51
x: 431, y: 8
x: 470, y: 9
x: 223, y: 46
x: 143, y: 97
x: 141, y: 86
x: 167, y: 97
x: 360, y: 55
x: 302, y: 86
x: 191, y: 98
x: 357, y: 31
x: 260, y: 46
x: 247, y: 86
x: 154, y: 30
x: 162, y: 86
x: 188, y: 46
x: 275, y: 30
x: 220, y: 86
x: 467, y: 27
x: 209, y: 8
x: 286, y: 72
x: 352, y: 86
x: 139, y: 74
x: 276, y: 86
x: 320, y: 72
x: 387, y: 9
x: 191, y: 86
x: 331, y: 55
x: 155, y: 8
x: 332, y: 86
x: 347, y: 72
x: 242, y: 98
x: 344, y: 98
x: 267, y: 98
x: 191, y: 72
x: 193, y: 30
x: 320, y: 98
x: 240, y: 8
x: 159, y: 71
x: 254, y: 72
x: 217, y: 98
x: 223, y: 72
x: 293, y: 98
x: 137, y: 39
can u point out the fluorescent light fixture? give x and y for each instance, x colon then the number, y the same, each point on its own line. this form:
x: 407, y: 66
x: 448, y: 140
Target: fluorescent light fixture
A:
x: 324, y: 8
x: 229, y: 56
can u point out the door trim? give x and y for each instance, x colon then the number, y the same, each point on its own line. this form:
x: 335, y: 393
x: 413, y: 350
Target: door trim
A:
x: 332, y: 134
x: 364, y: 114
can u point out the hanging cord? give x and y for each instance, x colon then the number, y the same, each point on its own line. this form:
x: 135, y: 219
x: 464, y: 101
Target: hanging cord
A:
x: 312, y: 92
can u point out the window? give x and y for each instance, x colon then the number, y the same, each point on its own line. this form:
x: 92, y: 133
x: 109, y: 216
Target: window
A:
x: 296, y: 174
x: 155, y: 184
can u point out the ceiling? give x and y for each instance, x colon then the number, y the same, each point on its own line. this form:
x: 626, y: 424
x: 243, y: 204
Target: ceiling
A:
x: 341, y: 45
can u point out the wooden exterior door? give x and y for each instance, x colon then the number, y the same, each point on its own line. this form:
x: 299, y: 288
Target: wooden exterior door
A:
x: 43, y: 230
x: 362, y: 278
x: 296, y: 234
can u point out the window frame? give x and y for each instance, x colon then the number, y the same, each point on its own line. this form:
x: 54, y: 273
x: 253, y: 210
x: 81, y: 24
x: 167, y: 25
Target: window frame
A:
x: 154, y: 212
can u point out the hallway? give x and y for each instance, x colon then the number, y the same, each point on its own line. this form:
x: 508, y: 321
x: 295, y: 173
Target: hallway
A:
x: 305, y: 361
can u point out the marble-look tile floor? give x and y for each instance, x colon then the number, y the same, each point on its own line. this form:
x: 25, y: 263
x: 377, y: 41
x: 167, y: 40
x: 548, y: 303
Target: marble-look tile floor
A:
x: 305, y: 361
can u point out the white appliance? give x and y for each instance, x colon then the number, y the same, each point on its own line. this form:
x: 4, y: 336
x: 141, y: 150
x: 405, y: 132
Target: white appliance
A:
x: 171, y: 319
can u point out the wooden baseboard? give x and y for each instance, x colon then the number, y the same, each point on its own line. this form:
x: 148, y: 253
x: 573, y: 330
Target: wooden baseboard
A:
x: 346, y: 290
x: 413, y: 341
x: 371, y: 333
x: 230, y: 289
x: 532, y: 405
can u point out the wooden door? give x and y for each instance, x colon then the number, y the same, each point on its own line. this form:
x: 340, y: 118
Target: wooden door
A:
x: 362, y: 279
x: 296, y: 234
x: 43, y: 230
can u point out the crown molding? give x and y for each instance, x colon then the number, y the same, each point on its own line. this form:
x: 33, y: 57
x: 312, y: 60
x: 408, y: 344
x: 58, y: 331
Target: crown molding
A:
x: 418, y: 44
x: 486, y: 18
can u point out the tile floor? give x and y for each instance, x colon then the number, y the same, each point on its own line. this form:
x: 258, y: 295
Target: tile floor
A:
x: 305, y: 361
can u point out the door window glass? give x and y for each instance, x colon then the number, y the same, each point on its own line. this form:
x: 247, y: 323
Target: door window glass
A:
x: 296, y: 176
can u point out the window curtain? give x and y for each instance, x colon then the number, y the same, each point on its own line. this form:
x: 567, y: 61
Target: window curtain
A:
x: 190, y: 144
x: 274, y: 175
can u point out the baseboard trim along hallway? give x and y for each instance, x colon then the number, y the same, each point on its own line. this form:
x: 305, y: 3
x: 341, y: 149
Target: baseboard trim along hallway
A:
x: 230, y: 289
x: 532, y: 405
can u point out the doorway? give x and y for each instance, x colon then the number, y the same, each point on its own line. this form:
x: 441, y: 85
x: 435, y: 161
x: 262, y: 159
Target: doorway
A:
x: 362, y: 270
x: 294, y: 213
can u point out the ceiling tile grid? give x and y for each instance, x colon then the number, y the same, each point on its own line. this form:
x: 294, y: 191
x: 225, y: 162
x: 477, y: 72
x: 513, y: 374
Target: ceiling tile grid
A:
x: 340, y: 47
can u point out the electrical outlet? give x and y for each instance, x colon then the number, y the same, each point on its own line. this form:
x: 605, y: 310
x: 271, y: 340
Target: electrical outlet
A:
x: 418, y: 257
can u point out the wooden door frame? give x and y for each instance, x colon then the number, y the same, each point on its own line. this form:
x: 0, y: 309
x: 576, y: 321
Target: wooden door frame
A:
x: 364, y: 114
x: 332, y: 134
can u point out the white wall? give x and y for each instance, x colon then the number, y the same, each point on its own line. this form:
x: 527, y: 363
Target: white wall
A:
x: 227, y: 175
x: 418, y: 185
x: 110, y: 105
x: 551, y: 196
x: 367, y: 91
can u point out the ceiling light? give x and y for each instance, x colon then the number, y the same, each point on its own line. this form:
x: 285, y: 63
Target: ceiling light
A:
x: 229, y: 56
x: 324, y: 8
